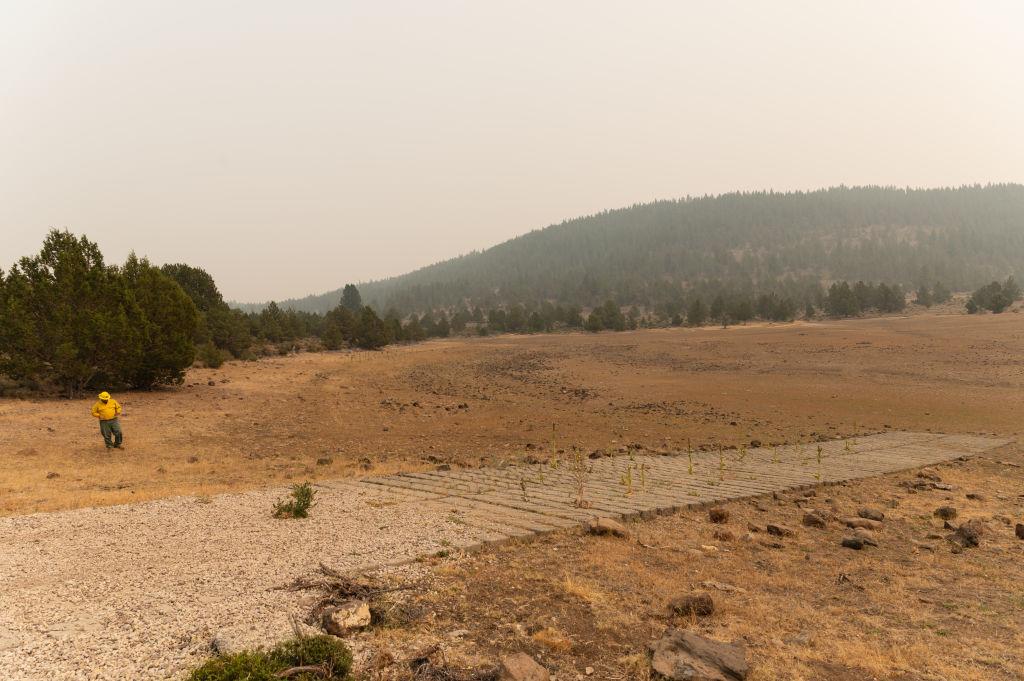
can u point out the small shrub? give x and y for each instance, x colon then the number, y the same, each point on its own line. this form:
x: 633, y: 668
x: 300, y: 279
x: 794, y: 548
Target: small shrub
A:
x: 329, y: 655
x: 303, y: 499
x: 210, y: 355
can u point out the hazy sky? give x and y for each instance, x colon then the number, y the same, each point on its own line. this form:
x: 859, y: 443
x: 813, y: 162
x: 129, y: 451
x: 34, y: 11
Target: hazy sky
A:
x: 290, y: 147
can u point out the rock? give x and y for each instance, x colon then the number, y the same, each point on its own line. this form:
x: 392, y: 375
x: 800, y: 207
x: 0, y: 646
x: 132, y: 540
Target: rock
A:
x: 723, y: 534
x: 324, y: 461
x: 343, y: 618
x: 863, y: 523
x: 871, y: 514
x: 607, y: 526
x: 521, y: 667
x: 945, y: 512
x: 748, y: 536
x: 698, y: 603
x: 51, y: 475
x: 929, y: 474
x: 943, y: 486
x: 211, y: 383
x: 751, y: 527
x: 1019, y: 530
x: 755, y: 443
x: 855, y: 543
x: 865, y: 536
x: 685, y: 655
x: 813, y: 519
x: 975, y: 496
x: 718, y: 515
x: 779, y: 530
x: 969, y: 534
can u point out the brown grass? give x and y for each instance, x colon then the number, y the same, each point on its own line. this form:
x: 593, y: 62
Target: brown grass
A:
x: 269, y: 422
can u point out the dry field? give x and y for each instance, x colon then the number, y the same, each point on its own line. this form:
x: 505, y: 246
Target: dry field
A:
x: 481, y: 400
x: 910, y: 609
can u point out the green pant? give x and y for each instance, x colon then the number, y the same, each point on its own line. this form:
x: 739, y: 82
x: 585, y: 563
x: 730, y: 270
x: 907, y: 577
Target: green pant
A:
x: 111, y: 428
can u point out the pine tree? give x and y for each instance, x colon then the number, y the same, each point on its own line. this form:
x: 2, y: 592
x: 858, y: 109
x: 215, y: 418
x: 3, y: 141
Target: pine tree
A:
x: 165, y: 321
x: 351, y: 299
x: 371, y: 331
x: 697, y: 313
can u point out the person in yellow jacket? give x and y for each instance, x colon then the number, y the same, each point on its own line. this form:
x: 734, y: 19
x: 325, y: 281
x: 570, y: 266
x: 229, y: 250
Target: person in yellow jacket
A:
x: 107, y: 410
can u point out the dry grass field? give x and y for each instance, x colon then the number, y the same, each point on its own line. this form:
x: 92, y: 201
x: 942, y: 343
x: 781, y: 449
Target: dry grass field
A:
x: 910, y: 609
x: 481, y: 400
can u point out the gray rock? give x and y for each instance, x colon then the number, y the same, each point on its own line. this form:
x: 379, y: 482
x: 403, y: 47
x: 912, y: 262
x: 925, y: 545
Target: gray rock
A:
x: 969, y: 534
x: 521, y: 667
x: 683, y: 655
x: 945, y: 512
x: 855, y: 543
x: 863, y: 523
x: 871, y: 514
x: 779, y: 530
x: 814, y: 519
x: 1019, y: 530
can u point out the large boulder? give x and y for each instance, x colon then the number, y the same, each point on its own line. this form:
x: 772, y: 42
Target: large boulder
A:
x: 521, y: 667
x: 969, y: 534
x: 683, y: 655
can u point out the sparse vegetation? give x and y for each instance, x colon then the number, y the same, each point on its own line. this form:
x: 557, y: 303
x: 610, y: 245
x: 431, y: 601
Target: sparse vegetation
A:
x: 304, y: 658
x: 303, y: 498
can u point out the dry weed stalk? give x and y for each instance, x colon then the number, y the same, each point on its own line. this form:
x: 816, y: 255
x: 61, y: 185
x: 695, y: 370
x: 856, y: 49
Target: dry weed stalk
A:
x: 580, y: 471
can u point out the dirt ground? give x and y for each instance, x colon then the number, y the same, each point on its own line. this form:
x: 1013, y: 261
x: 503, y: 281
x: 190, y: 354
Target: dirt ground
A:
x: 910, y: 609
x: 481, y: 400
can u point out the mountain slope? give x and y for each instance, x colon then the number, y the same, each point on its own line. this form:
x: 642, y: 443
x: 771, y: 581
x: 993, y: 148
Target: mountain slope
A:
x: 762, y: 241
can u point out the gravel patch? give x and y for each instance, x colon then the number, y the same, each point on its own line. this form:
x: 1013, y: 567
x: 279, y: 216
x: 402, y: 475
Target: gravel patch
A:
x: 140, y: 591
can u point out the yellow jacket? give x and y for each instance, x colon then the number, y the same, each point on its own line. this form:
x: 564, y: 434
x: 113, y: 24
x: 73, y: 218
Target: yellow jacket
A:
x: 108, y: 411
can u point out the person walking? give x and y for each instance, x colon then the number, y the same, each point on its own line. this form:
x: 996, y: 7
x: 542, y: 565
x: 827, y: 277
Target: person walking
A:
x: 107, y: 410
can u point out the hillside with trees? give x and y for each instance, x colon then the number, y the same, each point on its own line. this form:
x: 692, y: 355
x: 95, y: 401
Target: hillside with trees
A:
x: 662, y: 256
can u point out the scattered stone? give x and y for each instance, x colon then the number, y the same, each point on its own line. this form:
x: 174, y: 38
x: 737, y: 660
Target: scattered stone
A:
x: 975, y: 496
x: 698, y: 603
x: 211, y: 383
x: 863, y: 523
x: 945, y: 512
x: 607, y: 526
x: 866, y: 536
x: 1019, y: 530
x: 324, y: 461
x: 779, y: 530
x: 948, y: 525
x: 680, y: 655
x: 755, y: 443
x: 855, y: 543
x: 748, y: 536
x: 969, y: 534
x: 718, y: 515
x: 522, y: 667
x: 723, y: 534
x: 871, y: 514
x: 51, y: 475
x: 751, y: 527
x: 223, y: 643
x: 814, y: 519
x: 343, y: 618
x: 443, y: 467
x: 929, y: 474
x: 588, y: 671
x: 810, y: 493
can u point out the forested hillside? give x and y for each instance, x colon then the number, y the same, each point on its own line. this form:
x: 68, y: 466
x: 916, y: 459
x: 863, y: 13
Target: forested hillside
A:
x: 662, y: 255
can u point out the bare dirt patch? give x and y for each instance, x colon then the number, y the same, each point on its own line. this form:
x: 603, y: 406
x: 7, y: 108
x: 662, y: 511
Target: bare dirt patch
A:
x: 484, y: 400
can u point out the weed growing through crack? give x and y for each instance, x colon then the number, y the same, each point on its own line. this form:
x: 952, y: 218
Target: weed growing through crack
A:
x: 817, y: 476
x: 643, y: 476
x: 721, y: 464
x: 554, y: 449
x: 627, y: 480
x: 743, y: 452
x: 303, y: 498
x: 775, y: 454
x: 689, y: 456
x: 580, y: 471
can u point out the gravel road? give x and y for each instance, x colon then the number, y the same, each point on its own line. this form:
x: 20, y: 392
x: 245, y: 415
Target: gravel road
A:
x: 140, y: 591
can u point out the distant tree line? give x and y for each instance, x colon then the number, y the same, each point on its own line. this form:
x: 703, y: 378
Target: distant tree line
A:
x: 661, y: 256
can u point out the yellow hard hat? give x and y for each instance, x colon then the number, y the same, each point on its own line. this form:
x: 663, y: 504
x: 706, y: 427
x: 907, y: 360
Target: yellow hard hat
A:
x: 104, y: 395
